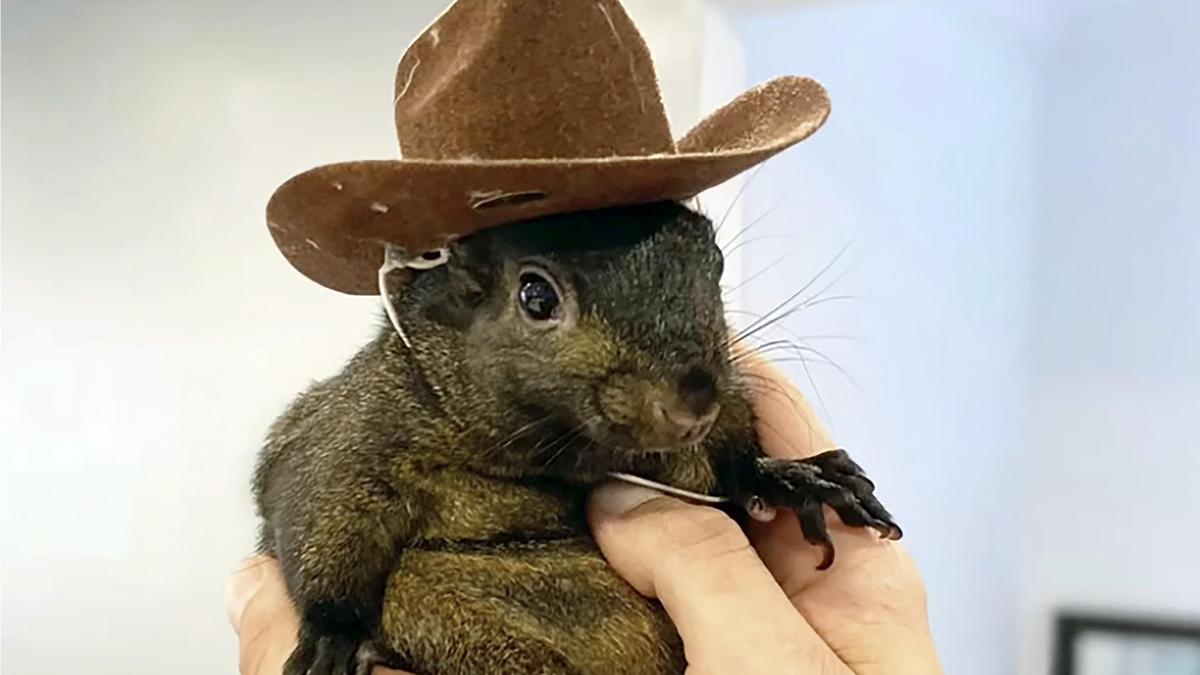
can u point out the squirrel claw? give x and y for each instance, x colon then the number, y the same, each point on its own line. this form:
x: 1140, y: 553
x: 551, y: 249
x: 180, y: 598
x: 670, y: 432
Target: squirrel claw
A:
x: 333, y: 655
x: 367, y: 658
x: 830, y: 479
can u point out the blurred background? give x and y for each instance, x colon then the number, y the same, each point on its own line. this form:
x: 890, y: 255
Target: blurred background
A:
x: 1007, y: 335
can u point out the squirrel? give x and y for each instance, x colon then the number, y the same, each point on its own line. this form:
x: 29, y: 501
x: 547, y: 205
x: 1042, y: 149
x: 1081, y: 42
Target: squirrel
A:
x: 427, y: 503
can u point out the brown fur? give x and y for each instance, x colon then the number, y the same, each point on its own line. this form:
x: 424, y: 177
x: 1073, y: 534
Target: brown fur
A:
x: 430, y: 503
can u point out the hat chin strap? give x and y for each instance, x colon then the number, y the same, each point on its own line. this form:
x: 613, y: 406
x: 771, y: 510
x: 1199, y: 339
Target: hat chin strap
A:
x: 393, y: 259
x: 667, y: 489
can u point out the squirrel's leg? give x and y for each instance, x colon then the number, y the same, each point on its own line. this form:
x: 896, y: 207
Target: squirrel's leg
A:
x: 336, y: 548
x: 440, y: 622
x: 806, y: 486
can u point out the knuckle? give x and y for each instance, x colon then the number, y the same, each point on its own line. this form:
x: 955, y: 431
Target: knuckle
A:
x: 254, y: 650
x: 911, y: 578
x: 266, y: 635
x: 897, y: 583
x: 699, y: 532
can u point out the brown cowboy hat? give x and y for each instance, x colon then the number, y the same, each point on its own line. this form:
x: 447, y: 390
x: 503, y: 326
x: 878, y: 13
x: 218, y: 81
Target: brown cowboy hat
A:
x: 514, y: 109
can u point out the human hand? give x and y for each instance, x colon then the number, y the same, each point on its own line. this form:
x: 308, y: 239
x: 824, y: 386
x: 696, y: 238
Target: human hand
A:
x: 757, y: 604
x: 261, y: 612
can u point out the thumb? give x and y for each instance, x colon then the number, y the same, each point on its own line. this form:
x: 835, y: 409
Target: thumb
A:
x: 242, y: 586
x: 728, y: 609
x: 261, y: 612
x: 257, y: 603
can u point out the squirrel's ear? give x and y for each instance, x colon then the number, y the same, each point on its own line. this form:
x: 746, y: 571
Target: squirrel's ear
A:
x: 469, y: 277
x: 471, y: 269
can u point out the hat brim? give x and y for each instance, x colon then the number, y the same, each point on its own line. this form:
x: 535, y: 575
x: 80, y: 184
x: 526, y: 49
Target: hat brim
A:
x: 332, y: 222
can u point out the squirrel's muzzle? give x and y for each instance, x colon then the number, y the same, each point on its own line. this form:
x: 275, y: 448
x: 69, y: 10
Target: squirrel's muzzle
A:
x: 676, y: 427
x: 663, y: 413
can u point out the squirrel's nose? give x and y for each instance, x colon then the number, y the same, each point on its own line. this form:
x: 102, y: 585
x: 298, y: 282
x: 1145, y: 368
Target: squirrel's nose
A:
x: 698, y: 390
x: 679, y: 425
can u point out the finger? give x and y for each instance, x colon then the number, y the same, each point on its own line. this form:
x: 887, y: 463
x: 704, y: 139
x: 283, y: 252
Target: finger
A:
x: 263, y: 616
x: 788, y: 428
x: 872, y: 597
x: 262, y: 613
x: 731, y: 614
x: 787, y: 425
x: 870, y: 607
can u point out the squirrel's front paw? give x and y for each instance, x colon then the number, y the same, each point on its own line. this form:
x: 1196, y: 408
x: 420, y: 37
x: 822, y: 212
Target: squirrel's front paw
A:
x: 333, y: 655
x: 831, y: 478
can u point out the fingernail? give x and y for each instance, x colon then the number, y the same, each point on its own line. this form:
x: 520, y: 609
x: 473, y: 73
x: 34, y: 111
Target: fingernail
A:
x: 617, y: 499
x: 242, y: 588
x: 758, y: 510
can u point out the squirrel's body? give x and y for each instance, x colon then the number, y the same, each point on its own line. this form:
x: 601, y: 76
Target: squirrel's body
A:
x: 484, y: 556
x: 427, y: 503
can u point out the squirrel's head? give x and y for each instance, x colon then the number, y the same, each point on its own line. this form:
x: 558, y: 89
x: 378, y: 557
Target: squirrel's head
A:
x: 602, y: 332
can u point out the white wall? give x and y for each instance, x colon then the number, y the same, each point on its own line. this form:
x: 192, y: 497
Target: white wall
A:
x: 151, y: 329
x: 924, y: 166
x: 1114, y: 452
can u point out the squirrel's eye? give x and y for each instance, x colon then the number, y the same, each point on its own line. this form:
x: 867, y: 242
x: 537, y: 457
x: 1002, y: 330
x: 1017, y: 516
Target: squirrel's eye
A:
x: 538, y: 297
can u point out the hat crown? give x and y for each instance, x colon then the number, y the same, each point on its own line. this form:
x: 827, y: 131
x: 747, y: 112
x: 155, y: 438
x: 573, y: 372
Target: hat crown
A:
x: 530, y: 79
